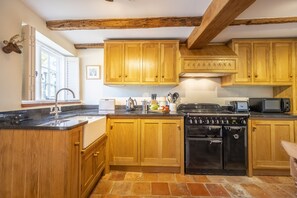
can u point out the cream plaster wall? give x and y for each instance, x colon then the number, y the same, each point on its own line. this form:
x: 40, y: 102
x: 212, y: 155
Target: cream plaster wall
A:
x: 12, y: 14
x: 190, y: 90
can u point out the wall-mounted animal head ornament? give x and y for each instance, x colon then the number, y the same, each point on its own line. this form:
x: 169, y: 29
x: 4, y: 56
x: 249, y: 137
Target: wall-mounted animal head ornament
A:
x: 14, y: 44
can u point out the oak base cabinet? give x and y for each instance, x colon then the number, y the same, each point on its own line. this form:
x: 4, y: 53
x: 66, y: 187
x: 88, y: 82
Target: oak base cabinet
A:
x: 160, y: 142
x: 92, y: 165
x: 146, y: 142
x: 40, y: 163
x: 266, y: 136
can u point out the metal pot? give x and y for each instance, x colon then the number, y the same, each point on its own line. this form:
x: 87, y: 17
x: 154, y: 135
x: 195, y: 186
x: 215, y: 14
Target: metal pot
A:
x: 131, y: 104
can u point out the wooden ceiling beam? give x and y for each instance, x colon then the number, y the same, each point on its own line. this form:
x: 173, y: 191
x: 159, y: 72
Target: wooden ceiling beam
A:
x: 129, y: 23
x: 218, y: 15
x: 89, y: 45
x: 188, y: 22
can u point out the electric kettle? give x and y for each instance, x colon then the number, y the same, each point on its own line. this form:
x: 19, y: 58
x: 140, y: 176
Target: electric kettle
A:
x: 131, y: 104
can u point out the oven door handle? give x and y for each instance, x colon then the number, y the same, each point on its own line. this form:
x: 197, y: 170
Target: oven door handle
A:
x: 215, y: 142
x: 211, y: 140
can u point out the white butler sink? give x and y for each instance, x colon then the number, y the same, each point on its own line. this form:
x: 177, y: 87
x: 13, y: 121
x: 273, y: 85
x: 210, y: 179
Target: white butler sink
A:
x: 95, y: 128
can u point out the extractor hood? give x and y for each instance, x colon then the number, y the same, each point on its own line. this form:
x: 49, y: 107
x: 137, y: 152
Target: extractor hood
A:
x: 210, y: 61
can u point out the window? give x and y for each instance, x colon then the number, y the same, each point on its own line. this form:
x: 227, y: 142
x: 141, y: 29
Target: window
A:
x: 47, y: 68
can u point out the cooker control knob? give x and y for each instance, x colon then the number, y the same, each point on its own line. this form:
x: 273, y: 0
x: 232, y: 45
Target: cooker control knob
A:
x: 195, y: 121
x: 212, y: 121
x: 200, y: 121
x: 190, y: 121
x: 207, y: 121
x: 222, y: 121
x: 226, y: 121
x: 243, y: 122
x: 217, y: 122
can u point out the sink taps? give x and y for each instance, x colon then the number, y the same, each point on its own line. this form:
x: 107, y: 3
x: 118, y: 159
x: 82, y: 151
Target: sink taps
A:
x: 56, y: 110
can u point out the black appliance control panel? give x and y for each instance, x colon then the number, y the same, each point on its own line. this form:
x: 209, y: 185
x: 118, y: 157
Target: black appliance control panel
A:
x: 217, y: 120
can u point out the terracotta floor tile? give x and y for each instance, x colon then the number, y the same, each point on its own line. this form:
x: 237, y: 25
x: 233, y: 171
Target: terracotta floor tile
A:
x: 274, y: 191
x: 255, y: 191
x: 217, y: 190
x: 160, y: 188
x: 286, y: 180
x: 149, y: 177
x: 103, y: 187
x: 133, y: 176
x: 201, y: 178
x: 169, y: 177
x: 179, y: 189
x: 141, y: 188
x: 216, y: 179
x: 236, y: 190
x: 117, y: 176
x: 238, y: 179
x: 184, y: 178
x: 105, y: 177
x: 269, y: 179
x: 198, y: 189
x: 290, y: 189
x: 95, y: 196
x: 121, y: 188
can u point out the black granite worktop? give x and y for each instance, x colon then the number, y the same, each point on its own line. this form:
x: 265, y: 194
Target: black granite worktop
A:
x: 258, y: 115
x: 36, y: 119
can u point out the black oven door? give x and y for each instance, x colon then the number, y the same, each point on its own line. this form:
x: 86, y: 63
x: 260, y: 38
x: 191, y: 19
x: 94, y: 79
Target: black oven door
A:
x: 203, y: 155
x: 235, y: 147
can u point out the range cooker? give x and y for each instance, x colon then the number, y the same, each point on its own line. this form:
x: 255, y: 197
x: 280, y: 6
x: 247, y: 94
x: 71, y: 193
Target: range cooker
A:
x: 215, y: 140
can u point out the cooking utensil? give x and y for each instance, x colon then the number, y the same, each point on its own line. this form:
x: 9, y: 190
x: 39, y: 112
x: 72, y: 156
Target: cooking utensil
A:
x: 169, y: 98
x: 175, y: 96
x: 131, y: 104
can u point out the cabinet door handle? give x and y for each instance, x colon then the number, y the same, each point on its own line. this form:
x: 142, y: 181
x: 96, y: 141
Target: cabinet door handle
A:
x: 126, y: 76
x: 254, y: 129
x: 291, y: 76
x: 120, y: 76
x: 111, y: 127
x: 178, y: 126
x: 157, y: 76
x: 76, y: 143
x: 256, y: 76
x: 95, y: 154
x: 162, y: 76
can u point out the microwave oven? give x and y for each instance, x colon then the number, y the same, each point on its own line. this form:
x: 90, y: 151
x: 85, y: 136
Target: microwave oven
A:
x: 270, y: 105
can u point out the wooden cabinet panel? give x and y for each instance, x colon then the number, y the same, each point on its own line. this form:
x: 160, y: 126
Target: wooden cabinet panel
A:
x: 244, y: 52
x: 123, y: 142
x: 168, y: 64
x: 282, y: 57
x: 266, y: 143
x: 114, y: 58
x: 40, y: 163
x: 261, y: 62
x: 132, y: 62
x: 150, y: 62
x: 160, y: 142
x: 93, y: 163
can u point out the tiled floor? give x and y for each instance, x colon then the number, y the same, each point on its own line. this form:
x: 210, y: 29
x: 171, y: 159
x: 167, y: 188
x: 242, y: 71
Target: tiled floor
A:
x: 134, y: 184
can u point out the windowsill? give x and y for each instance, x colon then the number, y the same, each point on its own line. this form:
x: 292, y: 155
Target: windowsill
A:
x: 38, y: 103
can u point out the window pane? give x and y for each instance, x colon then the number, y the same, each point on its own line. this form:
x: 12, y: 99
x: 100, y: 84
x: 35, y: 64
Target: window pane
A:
x: 53, y: 63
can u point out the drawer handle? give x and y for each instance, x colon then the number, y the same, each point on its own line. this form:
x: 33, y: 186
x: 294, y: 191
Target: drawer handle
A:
x: 95, y: 154
x: 76, y: 143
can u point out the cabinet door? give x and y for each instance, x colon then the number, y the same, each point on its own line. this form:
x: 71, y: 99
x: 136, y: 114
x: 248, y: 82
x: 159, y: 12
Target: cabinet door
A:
x: 150, y: 63
x: 266, y: 140
x: 244, y: 52
x: 88, y: 168
x: 168, y: 63
x: 132, y: 62
x: 160, y: 142
x: 282, y: 57
x: 113, y: 62
x: 261, y: 63
x: 123, y: 142
x: 75, y: 163
x: 282, y: 130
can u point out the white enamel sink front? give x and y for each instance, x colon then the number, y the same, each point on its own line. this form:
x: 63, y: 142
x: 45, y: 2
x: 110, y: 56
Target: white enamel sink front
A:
x: 93, y: 129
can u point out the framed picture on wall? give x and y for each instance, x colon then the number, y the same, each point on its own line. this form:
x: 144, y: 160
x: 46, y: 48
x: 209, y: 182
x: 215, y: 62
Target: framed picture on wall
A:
x: 93, y: 72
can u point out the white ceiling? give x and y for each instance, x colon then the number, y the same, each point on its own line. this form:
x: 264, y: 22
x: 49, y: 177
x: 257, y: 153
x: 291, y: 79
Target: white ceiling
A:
x: 100, y: 9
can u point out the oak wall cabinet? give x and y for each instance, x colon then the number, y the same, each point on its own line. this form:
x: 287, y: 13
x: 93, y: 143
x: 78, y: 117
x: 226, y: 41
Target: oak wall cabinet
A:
x: 152, y: 62
x: 262, y: 62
